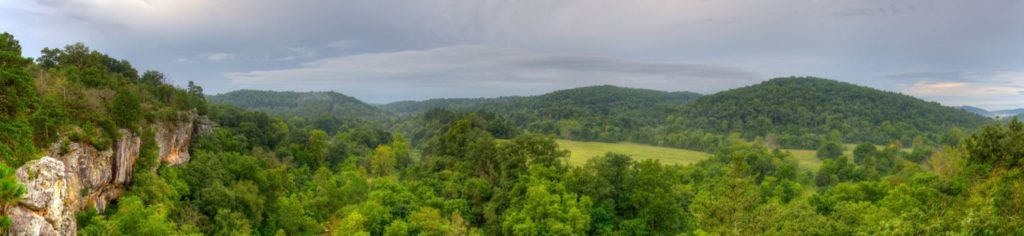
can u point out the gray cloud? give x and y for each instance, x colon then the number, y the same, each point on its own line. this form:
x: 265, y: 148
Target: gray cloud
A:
x: 475, y: 71
x: 878, y: 43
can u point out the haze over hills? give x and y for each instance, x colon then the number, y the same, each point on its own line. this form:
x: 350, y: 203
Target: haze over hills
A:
x: 998, y: 113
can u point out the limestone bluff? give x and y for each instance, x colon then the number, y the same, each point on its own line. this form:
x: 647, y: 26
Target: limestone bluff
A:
x: 76, y: 176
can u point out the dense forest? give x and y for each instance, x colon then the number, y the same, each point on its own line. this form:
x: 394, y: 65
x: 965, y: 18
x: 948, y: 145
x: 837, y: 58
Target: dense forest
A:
x: 307, y: 104
x: 795, y: 112
x: 324, y: 167
x: 803, y: 111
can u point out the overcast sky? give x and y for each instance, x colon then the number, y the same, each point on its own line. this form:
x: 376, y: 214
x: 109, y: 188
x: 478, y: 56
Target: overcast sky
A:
x: 953, y: 52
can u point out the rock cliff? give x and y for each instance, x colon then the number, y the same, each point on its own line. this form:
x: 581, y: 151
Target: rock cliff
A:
x: 77, y: 176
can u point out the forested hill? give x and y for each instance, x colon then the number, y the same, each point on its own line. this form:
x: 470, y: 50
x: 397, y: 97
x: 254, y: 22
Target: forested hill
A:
x: 593, y: 99
x: 598, y: 113
x: 303, y: 104
x: 798, y: 111
x: 407, y: 108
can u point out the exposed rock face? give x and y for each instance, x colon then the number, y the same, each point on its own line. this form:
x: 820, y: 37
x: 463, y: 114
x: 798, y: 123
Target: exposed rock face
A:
x: 95, y: 176
x: 78, y: 177
x: 47, y: 207
x: 173, y: 139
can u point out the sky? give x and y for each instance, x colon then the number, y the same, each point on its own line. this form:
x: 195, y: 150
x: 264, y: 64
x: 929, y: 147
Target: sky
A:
x: 953, y: 52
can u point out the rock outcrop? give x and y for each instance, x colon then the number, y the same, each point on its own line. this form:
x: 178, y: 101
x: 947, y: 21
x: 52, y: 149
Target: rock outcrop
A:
x: 173, y: 139
x: 77, y: 176
x: 46, y: 208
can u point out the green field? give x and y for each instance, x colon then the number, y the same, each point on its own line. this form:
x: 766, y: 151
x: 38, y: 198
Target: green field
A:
x: 580, y: 152
x: 809, y: 158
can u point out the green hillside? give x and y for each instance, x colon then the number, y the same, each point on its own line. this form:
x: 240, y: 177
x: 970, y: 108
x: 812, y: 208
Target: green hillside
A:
x: 597, y: 113
x: 303, y: 104
x: 801, y: 111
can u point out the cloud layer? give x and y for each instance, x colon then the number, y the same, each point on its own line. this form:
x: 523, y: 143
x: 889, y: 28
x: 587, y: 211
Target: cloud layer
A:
x: 903, y: 45
x: 485, y: 71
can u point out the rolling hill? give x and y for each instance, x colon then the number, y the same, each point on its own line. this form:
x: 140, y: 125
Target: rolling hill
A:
x: 596, y: 113
x: 304, y: 104
x: 801, y: 111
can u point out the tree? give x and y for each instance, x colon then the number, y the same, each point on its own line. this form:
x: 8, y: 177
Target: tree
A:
x: 353, y: 224
x: 428, y: 222
x: 837, y: 170
x: 998, y: 145
x: 402, y: 151
x: 546, y: 208
x: 383, y: 161
x: 153, y: 77
x: 863, y: 151
x: 194, y: 90
x: 127, y: 109
x: 830, y: 150
x: 318, y: 144
x: 135, y: 218
x: 17, y: 98
x: 290, y: 216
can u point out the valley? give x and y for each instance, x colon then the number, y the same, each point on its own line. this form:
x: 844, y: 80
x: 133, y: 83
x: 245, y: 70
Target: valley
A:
x: 91, y: 146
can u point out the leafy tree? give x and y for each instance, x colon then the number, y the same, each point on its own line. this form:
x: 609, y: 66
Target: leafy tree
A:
x: 383, y: 161
x: 428, y: 221
x: 231, y: 223
x: 998, y: 145
x: 863, y: 151
x: 155, y: 77
x: 546, y: 208
x: 290, y: 216
x: 353, y: 224
x: 127, y: 109
x: 17, y: 98
x: 194, y: 90
x: 835, y: 171
x: 135, y: 218
x: 830, y: 150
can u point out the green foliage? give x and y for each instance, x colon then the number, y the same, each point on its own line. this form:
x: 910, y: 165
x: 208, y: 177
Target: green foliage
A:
x: 17, y: 99
x: 383, y: 161
x: 598, y: 113
x: 127, y: 109
x: 998, y: 145
x: 801, y: 111
x: 830, y: 150
x: 306, y: 104
x: 329, y: 164
x: 134, y: 218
